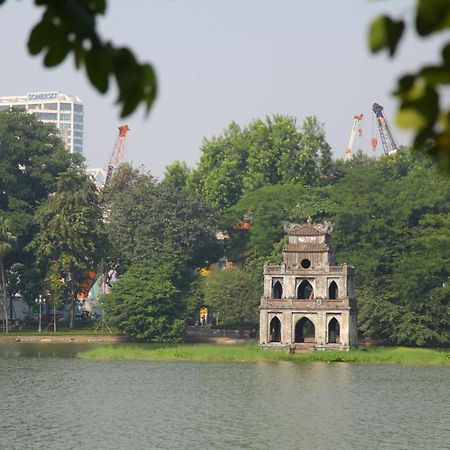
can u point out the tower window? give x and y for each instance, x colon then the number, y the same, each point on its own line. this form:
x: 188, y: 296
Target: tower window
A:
x: 305, y: 263
x: 334, y: 332
x: 333, y: 291
x: 305, y: 290
x: 277, y: 290
x: 275, y: 330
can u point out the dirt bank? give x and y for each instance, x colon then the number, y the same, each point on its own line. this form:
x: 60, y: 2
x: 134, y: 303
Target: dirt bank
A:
x: 58, y: 338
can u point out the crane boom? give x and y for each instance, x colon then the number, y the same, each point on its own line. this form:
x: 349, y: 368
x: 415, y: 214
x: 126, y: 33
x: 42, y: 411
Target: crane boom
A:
x: 116, y: 157
x: 348, y: 151
x: 390, y: 146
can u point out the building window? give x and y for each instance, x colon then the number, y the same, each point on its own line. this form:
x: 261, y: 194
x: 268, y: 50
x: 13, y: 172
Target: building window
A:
x: 78, y: 108
x: 333, y: 291
x: 275, y: 330
x: 47, y: 116
x: 65, y: 116
x: 51, y: 106
x: 65, y: 106
x: 277, y: 290
x: 305, y: 290
x: 305, y: 263
x: 334, y: 332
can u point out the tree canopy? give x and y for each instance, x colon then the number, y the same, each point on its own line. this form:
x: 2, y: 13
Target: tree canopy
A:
x: 146, y: 304
x: 155, y: 221
x: 70, y: 239
x: 32, y: 157
x: 233, y: 295
x: 266, y: 152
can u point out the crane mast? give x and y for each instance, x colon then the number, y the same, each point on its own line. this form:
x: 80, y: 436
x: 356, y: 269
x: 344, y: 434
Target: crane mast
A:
x: 116, y: 157
x: 390, y: 146
x: 348, y: 151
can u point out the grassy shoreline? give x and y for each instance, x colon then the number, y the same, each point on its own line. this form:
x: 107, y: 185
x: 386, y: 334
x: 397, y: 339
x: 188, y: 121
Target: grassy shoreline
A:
x: 253, y: 353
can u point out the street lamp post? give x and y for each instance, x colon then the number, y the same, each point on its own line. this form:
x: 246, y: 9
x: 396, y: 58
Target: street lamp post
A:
x: 40, y: 300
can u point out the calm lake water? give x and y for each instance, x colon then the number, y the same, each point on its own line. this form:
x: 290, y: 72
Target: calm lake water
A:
x: 50, y: 399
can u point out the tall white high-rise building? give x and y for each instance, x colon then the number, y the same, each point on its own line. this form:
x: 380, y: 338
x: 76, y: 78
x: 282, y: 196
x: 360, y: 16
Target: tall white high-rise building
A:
x: 63, y: 110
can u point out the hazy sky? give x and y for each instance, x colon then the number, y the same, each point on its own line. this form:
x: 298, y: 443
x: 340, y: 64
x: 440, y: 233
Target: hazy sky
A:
x: 222, y: 61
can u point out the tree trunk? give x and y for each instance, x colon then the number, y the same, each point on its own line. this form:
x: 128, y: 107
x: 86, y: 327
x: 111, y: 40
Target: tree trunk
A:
x: 5, y: 297
x: 11, y: 306
x: 72, y: 301
x: 72, y: 312
x: 54, y: 317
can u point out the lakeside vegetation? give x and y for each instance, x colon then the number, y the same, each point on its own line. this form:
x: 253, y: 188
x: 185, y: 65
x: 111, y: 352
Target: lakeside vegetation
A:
x: 253, y: 353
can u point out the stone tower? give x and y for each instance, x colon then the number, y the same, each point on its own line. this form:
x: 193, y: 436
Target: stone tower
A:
x: 308, y: 301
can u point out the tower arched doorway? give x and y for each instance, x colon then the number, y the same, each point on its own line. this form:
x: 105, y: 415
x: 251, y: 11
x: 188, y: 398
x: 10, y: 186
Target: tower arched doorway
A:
x: 275, y: 330
x: 305, y: 331
x: 334, y: 331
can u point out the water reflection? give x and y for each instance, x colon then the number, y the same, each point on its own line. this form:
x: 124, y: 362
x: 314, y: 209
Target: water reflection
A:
x: 47, y: 350
x: 57, y: 402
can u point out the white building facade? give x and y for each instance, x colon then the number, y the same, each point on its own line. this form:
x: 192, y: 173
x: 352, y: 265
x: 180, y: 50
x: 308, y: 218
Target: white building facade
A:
x: 63, y: 110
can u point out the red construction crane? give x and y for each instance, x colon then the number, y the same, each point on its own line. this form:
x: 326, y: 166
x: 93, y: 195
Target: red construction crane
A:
x: 355, y: 127
x: 116, y: 157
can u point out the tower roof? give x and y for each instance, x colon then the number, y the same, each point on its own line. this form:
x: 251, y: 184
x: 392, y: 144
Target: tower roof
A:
x: 308, y: 229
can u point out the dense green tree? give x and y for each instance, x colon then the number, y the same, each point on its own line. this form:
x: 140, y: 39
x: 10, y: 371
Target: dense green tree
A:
x: 123, y: 180
x: 160, y: 221
x: 146, y: 304
x: 272, y: 145
x: 266, y: 152
x: 233, y: 295
x: 152, y: 224
x: 420, y: 94
x: 7, y: 240
x: 177, y: 174
x: 390, y: 223
x: 32, y: 156
x: 311, y: 163
x: 219, y: 175
x: 422, y: 294
x: 266, y: 210
x: 70, y: 238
